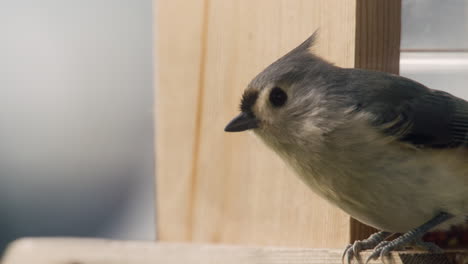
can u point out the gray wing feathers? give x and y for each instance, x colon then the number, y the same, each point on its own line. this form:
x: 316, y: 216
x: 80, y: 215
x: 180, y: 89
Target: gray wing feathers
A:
x: 412, y: 112
x: 436, y: 119
x: 459, y: 123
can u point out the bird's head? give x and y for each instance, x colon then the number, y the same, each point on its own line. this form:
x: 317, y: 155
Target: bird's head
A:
x: 286, y: 102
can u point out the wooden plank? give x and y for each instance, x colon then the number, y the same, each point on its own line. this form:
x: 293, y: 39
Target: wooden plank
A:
x: 179, y: 39
x: 229, y: 188
x: 378, y: 31
x: 245, y: 193
x: 95, y: 251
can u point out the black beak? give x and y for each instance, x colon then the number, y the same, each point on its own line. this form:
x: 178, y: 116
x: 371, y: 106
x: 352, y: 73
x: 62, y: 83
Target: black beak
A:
x: 242, y: 122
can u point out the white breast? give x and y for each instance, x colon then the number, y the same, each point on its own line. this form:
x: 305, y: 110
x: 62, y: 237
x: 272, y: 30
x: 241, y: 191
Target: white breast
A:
x: 380, y: 181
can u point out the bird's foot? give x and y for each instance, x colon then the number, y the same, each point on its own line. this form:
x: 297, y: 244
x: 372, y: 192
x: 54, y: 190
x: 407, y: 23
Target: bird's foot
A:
x: 384, y: 248
x: 414, y: 235
x: 352, y: 250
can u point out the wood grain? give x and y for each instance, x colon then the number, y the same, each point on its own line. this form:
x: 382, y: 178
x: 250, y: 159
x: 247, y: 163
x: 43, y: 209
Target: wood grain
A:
x: 229, y: 188
x: 180, y: 45
x: 378, y: 30
x: 94, y: 251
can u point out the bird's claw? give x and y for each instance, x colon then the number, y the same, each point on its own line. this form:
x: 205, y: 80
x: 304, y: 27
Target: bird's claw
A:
x: 347, y: 254
x: 379, y: 251
x: 414, y: 235
x: 384, y: 248
x: 352, y: 250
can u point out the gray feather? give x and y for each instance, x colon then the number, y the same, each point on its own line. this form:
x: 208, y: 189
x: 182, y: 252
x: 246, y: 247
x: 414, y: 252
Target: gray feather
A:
x: 410, y: 111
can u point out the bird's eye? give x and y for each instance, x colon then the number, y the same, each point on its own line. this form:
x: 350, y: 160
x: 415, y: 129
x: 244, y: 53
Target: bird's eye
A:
x: 278, y: 97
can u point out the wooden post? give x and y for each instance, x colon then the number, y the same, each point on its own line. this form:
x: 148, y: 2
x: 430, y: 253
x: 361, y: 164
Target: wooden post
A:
x: 228, y: 188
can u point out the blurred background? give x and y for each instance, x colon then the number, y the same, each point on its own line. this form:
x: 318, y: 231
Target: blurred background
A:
x: 434, y: 44
x: 76, y: 100
x: 76, y: 123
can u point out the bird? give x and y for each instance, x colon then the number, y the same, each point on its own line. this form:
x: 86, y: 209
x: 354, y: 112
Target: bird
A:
x: 387, y: 150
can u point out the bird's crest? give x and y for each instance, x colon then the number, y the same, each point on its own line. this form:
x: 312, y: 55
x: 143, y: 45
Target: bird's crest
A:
x: 305, y: 46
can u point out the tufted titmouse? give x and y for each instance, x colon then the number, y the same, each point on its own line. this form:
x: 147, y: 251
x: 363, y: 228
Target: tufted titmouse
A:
x: 389, y: 151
